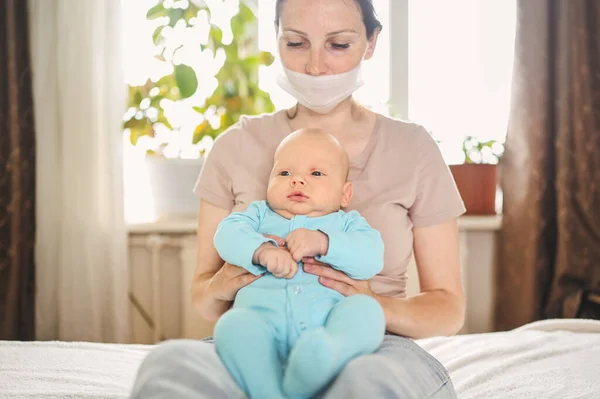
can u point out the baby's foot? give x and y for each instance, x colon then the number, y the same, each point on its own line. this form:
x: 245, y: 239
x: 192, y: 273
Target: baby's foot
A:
x: 312, y: 364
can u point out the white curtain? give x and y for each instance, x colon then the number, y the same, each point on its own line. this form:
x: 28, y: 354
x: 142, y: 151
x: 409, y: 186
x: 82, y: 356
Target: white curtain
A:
x: 79, y: 97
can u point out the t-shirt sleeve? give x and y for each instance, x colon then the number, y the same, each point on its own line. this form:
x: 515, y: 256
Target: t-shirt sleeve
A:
x: 437, y: 198
x: 214, y: 183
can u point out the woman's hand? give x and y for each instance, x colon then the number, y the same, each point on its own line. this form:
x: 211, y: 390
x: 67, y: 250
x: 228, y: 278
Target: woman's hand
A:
x: 337, y: 280
x: 228, y: 281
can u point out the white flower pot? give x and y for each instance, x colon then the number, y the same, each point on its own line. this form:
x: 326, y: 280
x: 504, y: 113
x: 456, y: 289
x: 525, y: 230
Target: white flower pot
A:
x: 171, y: 185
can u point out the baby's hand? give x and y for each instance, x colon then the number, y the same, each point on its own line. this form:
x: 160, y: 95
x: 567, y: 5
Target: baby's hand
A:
x: 277, y: 260
x: 304, y: 242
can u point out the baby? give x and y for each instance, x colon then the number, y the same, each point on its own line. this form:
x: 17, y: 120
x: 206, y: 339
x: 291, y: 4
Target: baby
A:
x: 287, y: 335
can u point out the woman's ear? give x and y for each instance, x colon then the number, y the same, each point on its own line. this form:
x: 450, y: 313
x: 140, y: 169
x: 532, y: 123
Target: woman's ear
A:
x: 371, y: 44
x: 346, y: 194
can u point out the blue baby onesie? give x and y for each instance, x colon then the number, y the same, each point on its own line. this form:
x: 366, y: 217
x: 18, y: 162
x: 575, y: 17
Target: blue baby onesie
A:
x: 289, y: 337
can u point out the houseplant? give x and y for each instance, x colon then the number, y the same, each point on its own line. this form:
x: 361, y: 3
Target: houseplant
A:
x: 212, y: 81
x: 477, y: 177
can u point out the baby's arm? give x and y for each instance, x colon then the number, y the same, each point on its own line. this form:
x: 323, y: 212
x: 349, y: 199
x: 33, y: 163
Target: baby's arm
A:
x: 356, y: 251
x: 237, y: 238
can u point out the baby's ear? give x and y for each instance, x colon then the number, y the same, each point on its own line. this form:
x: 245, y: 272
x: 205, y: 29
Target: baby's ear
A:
x: 346, y: 194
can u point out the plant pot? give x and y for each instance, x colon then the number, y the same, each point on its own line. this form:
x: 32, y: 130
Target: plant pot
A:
x: 171, y: 185
x: 477, y: 184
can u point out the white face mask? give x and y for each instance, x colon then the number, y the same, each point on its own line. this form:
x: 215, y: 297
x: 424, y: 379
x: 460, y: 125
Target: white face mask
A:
x: 320, y: 93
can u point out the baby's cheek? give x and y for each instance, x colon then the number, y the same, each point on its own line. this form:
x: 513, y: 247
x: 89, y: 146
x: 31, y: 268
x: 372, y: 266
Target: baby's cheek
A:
x: 334, y: 195
x: 272, y: 192
x: 276, y: 196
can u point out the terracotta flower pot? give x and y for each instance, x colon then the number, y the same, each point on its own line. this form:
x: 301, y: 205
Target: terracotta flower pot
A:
x: 477, y: 185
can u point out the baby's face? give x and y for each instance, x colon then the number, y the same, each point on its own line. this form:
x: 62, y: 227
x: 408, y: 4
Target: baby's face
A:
x: 309, y: 176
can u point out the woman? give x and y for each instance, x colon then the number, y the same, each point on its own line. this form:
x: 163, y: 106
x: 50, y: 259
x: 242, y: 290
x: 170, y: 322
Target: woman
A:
x: 401, y: 185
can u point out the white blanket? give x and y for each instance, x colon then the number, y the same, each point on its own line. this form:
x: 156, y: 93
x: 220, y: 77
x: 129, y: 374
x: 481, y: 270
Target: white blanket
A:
x: 550, y: 359
x: 547, y: 359
x: 55, y: 370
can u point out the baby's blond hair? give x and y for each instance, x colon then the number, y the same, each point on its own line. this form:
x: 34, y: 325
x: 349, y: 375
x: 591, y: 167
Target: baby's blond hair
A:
x: 320, y: 133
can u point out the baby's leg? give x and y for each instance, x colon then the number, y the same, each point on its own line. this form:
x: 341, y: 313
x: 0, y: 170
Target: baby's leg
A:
x: 355, y: 326
x: 247, y: 347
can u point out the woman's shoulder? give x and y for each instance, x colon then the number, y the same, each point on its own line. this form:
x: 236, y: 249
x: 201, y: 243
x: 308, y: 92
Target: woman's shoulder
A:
x: 400, y: 129
x: 410, y: 136
x: 262, y: 127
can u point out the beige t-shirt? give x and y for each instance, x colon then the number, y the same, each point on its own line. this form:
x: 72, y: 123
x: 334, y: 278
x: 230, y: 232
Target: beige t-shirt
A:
x: 400, y: 180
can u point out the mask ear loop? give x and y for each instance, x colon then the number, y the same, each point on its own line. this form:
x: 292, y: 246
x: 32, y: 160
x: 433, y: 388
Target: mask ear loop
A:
x: 281, y: 72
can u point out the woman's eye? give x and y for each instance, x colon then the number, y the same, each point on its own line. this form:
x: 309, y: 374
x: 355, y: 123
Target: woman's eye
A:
x: 317, y: 173
x: 284, y: 173
x: 340, y: 46
x: 294, y: 44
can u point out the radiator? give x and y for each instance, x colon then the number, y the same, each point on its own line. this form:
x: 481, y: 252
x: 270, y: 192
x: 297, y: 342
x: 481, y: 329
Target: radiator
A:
x: 161, y: 266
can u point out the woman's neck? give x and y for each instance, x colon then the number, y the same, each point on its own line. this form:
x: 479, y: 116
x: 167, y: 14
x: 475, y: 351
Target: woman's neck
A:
x: 345, y: 122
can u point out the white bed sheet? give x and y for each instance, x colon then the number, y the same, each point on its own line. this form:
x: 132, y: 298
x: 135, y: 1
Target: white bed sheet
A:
x: 549, y: 359
x: 70, y: 370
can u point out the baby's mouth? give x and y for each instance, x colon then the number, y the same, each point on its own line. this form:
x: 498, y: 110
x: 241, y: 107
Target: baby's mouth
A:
x: 298, y: 196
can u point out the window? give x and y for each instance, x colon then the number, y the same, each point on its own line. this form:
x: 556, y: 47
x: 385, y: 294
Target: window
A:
x: 460, y: 67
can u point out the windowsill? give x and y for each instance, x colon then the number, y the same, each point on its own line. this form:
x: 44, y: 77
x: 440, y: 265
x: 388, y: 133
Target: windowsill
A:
x: 188, y: 226
x: 179, y: 226
x: 480, y: 223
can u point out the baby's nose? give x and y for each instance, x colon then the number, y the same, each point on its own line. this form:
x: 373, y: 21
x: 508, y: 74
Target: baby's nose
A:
x: 297, y: 180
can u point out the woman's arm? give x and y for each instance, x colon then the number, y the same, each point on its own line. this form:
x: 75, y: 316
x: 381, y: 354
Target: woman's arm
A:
x: 440, y: 307
x: 214, y: 284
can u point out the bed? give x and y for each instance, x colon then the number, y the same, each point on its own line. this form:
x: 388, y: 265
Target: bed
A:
x: 546, y: 359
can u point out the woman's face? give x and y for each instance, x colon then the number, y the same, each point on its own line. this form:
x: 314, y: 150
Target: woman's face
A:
x: 323, y: 37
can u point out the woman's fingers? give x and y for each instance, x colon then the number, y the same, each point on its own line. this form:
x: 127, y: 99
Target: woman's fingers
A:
x: 327, y: 272
x: 245, y: 279
x: 229, y: 279
x: 312, y: 261
x: 338, y: 286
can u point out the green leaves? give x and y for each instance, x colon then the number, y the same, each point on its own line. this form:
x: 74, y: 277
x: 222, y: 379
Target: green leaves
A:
x: 157, y: 36
x: 266, y: 58
x: 186, y: 80
x: 237, y: 92
x: 175, y: 15
x: 477, y: 151
x: 215, y: 37
x: 246, y: 14
x: 156, y: 12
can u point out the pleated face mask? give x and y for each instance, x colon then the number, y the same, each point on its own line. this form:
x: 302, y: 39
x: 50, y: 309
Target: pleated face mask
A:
x: 320, y: 93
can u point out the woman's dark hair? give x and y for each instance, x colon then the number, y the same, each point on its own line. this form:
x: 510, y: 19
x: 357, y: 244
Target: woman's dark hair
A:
x: 366, y: 7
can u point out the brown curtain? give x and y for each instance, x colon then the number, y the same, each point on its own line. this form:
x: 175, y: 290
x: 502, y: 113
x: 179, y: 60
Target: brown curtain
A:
x: 550, y: 246
x: 17, y: 176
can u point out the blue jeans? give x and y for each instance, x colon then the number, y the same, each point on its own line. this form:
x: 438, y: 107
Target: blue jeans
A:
x: 400, y: 369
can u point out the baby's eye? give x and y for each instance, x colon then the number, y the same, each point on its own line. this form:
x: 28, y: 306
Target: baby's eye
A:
x: 317, y: 173
x: 284, y: 173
